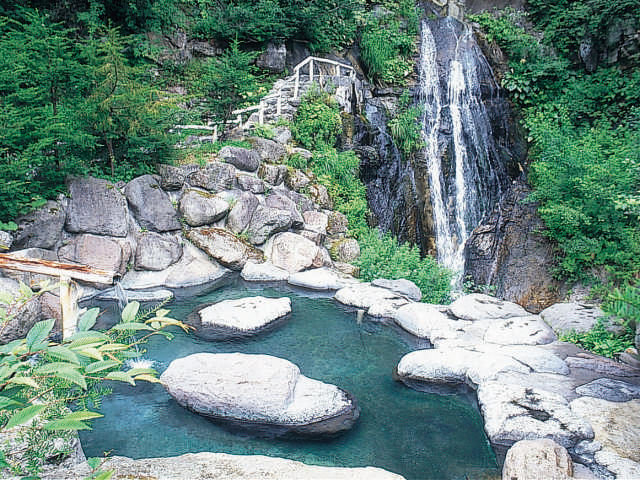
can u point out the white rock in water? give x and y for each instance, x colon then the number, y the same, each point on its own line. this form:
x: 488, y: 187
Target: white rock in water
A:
x: 478, y: 306
x: 456, y: 365
x: 320, y: 279
x: 363, y: 295
x: 245, y: 314
x: 263, y: 272
x: 258, y: 389
x: 426, y: 321
x: 528, y: 330
x: 160, y: 295
x: 538, y: 359
x: 517, y: 412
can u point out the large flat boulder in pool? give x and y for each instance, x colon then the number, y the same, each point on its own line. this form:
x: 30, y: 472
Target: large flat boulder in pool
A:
x: 237, y: 318
x: 259, y: 392
x: 477, y: 306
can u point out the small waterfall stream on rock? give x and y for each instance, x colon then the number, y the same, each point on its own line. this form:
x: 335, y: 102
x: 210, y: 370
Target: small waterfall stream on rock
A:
x: 465, y: 177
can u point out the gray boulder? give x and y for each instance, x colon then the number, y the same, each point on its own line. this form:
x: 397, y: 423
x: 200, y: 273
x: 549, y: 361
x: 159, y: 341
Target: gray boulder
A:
x: 536, y: 459
x: 23, y: 318
x: 320, y: 195
x: 173, y: 178
x: 279, y: 200
x: 301, y: 201
x: 268, y: 150
x: 259, y: 391
x: 426, y: 321
x: 296, y: 180
x: 346, y: 250
x: 274, y: 58
x: 96, y: 206
x: 337, y: 223
x: 238, y: 318
x: 241, y: 158
x: 250, y: 183
x: 41, y: 228
x: 6, y: 240
x: 565, y: 317
x: 155, y: 252
x: 151, y: 205
x: 610, y: 389
x: 292, y: 252
x: 527, y: 330
x: 194, y: 268
x: 363, y: 295
x: 241, y: 212
x: 315, y: 221
x: 272, y: 174
x: 224, y: 246
x: 94, y: 251
x: 215, y: 177
x: 477, y: 306
x: 267, y: 221
x: 283, y: 135
x: 402, y: 286
x: 202, y: 208
x: 514, y: 412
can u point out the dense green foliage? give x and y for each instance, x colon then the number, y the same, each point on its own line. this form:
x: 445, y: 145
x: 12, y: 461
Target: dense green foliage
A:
x: 40, y: 379
x: 566, y: 23
x: 623, y: 304
x: 381, y: 256
x: 317, y: 123
x: 389, y: 41
x: 585, y: 145
x: 405, y: 126
x: 601, y: 341
x: 71, y: 106
x: 324, y: 24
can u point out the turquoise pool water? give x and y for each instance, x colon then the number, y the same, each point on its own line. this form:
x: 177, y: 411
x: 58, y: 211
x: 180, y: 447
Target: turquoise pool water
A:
x: 416, y: 434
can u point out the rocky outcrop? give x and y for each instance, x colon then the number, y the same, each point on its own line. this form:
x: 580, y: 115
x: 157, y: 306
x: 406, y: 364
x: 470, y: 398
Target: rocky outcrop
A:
x: 241, y: 158
x: 267, y: 221
x: 568, y: 316
x: 238, y: 318
x: 292, y: 252
x: 156, y: 252
x: 215, y: 177
x: 274, y: 58
x: 207, y: 466
x: 345, y: 250
x: 259, y: 392
x: 96, y: 206
x: 479, y: 307
x: 224, y: 246
x: 536, y: 459
x: 41, y: 228
x: 510, y: 251
x: 278, y: 199
x: 202, y: 208
x: 99, y: 252
x: 271, y: 151
x: 272, y: 174
x: 242, y: 211
x: 151, y: 205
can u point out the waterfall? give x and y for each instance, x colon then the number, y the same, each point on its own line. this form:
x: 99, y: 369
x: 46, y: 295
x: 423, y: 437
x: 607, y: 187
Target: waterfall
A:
x: 465, y: 172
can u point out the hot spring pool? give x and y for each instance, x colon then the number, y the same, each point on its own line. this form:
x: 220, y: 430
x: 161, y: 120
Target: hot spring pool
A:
x: 418, y: 435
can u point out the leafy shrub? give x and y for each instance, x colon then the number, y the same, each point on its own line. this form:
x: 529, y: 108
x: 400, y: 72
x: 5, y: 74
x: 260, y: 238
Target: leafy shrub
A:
x: 600, y: 341
x: 339, y: 173
x: 317, y: 123
x: 405, y: 126
x: 43, y: 379
x: 381, y: 256
x: 388, y: 42
x: 297, y: 161
x: 624, y: 304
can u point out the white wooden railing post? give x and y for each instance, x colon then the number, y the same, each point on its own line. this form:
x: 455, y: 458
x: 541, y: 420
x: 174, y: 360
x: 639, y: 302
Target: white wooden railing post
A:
x: 279, y: 105
x: 297, y: 84
x: 261, y: 114
x: 311, y: 71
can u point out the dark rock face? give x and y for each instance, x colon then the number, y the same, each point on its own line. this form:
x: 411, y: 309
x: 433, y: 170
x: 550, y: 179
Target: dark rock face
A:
x: 96, y: 206
x: 42, y: 228
x: 151, y: 205
x: 508, y: 251
x: 274, y: 58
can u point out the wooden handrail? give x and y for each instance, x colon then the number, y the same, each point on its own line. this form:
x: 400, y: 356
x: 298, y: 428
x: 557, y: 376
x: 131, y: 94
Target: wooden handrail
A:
x: 55, y: 269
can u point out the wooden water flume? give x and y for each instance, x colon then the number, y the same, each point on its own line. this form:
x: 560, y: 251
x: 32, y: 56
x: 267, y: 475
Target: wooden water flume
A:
x: 67, y: 274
